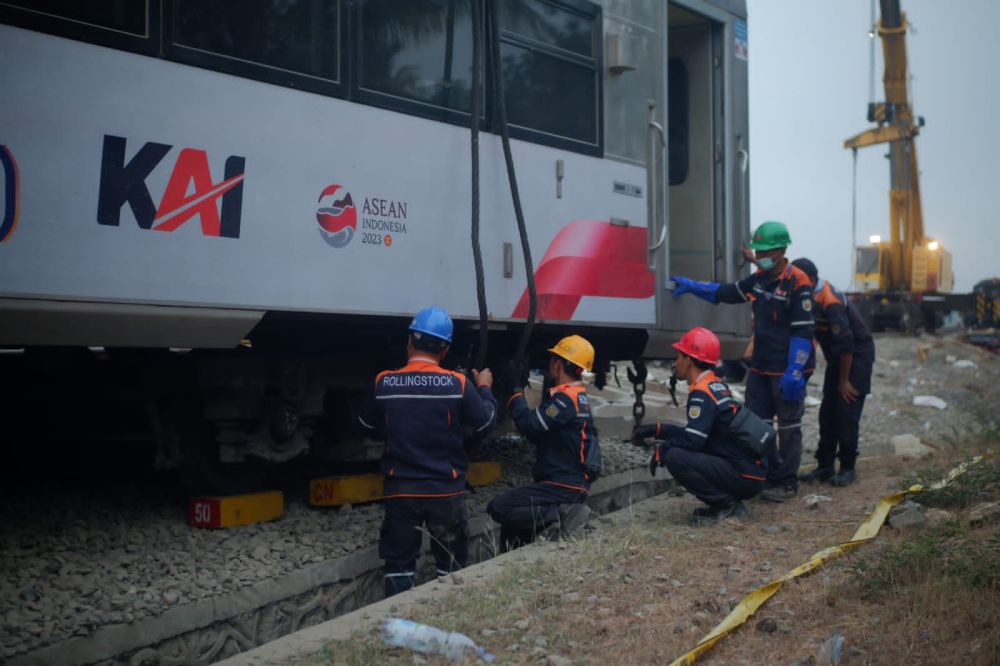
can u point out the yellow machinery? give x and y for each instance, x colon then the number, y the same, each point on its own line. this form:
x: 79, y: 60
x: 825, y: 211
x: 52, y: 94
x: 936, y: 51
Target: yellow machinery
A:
x: 908, y: 261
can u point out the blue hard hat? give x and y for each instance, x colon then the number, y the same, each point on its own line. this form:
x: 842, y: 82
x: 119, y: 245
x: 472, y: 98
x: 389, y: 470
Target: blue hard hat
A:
x: 433, y: 321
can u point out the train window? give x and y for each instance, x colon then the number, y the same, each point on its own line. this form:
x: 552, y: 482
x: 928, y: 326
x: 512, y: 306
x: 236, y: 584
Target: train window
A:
x: 549, y: 24
x: 290, y: 42
x: 116, y: 23
x: 677, y: 121
x: 549, y: 52
x: 415, y: 56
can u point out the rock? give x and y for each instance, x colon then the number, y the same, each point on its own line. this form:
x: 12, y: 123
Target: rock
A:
x: 486, y: 633
x: 830, y: 651
x: 558, y: 660
x: 699, y: 618
x: 984, y: 513
x: 537, y: 651
x: 572, y: 597
x: 679, y: 628
x: 907, y: 514
x: 604, y: 612
x: 768, y: 625
x: 30, y: 594
x: 938, y: 517
x: 676, y: 584
x: 770, y: 529
x: 522, y: 625
x: 910, y: 447
x: 765, y: 567
x: 541, y: 641
x: 171, y: 597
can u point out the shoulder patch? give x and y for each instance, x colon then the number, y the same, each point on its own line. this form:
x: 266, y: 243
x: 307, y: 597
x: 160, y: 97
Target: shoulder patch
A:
x: 807, y: 304
x: 552, y: 411
x: 583, y: 399
x: 718, y: 386
x: 694, y: 411
x: 835, y: 328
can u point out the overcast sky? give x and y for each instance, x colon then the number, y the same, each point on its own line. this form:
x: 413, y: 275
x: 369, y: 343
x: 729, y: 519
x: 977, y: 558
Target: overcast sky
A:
x: 809, y: 83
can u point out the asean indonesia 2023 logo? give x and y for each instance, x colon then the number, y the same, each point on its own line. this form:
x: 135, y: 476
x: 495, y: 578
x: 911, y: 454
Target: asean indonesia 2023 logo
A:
x: 337, y: 216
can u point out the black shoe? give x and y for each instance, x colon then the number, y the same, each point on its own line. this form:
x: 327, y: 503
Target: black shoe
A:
x: 705, y: 516
x: 572, y: 518
x: 845, y: 478
x: 779, y: 493
x: 818, y: 475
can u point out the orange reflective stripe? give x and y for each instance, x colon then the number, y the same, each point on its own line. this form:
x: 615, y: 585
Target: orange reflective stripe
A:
x: 751, y: 476
x: 702, y: 384
x: 565, y: 485
x: 512, y: 398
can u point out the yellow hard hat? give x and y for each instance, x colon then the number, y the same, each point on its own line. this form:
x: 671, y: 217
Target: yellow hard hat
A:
x: 576, y: 350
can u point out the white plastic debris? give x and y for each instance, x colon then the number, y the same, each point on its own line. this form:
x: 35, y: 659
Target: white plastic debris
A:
x: 816, y: 499
x: 893, y: 364
x: 950, y: 358
x: 964, y: 363
x: 929, y: 401
x: 812, y: 402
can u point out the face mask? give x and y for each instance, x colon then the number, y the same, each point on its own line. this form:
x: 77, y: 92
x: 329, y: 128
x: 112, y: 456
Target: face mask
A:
x: 765, y: 263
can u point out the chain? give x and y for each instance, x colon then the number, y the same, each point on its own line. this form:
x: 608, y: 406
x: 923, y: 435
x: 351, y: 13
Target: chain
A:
x: 638, y: 379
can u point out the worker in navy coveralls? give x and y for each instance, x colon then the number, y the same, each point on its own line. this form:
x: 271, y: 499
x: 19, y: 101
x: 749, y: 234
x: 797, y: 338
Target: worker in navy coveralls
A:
x: 421, y: 410
x: 562, y: 429
x: 850, y: 356
x: 783, y: 359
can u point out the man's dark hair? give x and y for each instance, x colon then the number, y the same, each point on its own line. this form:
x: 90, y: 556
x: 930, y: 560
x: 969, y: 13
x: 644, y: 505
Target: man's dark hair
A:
x: 807, y: 267
x: 427, y: 343
x: 572, y: 369
x: 701, y: 365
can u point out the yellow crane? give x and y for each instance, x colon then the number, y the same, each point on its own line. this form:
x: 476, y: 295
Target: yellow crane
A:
x: 908, y: 265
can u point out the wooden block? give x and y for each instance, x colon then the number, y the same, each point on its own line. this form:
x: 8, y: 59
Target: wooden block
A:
x: 359, y: 488
x: 483, y: 473
x: 340, y: 490
x: 236, y: 510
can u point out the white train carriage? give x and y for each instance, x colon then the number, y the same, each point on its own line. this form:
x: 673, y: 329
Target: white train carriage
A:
x: 225, y: 211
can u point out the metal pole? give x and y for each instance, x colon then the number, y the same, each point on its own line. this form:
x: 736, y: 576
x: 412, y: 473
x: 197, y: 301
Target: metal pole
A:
x: 854, y: 219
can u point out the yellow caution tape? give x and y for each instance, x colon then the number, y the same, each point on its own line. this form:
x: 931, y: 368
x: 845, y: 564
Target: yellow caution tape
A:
x: 868, y: 529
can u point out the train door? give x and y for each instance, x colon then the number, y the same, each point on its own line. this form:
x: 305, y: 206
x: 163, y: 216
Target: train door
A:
x: 707, y: 201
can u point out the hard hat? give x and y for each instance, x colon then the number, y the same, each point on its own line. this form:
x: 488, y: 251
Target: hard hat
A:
x: 770, y: 235
x: 576, y: 350
x: 433, y: 321
x: 700, y: 344
x: 807, y: 267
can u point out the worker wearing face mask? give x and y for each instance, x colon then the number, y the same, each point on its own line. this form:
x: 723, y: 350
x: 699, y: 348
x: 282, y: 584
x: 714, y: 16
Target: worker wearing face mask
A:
x: 781, y: 296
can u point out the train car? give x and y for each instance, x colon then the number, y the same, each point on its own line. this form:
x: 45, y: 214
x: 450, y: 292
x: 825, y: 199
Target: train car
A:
x: 218, y: 216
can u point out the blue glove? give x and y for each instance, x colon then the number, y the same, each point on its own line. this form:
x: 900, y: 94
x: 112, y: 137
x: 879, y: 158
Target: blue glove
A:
x: 703, y: 290
x: 793, y: 383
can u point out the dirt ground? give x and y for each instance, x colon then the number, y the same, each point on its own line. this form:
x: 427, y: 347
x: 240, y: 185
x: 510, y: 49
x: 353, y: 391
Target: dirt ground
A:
x: 645, y: 586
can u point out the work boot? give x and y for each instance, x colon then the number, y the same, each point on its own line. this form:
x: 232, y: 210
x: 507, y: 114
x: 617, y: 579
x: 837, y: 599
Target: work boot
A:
x: 779, y: 493
x: 705, y: 516
x: 844, y: 478
x: 818, y: 475
x: 572, y: 518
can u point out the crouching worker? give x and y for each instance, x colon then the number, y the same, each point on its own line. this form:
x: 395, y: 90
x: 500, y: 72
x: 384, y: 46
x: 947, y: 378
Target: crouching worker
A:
x: 709, y: 456
x: 566, y: 449
x: 421, y: 410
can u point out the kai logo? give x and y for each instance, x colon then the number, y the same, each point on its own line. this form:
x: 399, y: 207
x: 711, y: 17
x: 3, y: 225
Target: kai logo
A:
x: 190, y: 192
x: 9, y: 187
x: 336, y: 215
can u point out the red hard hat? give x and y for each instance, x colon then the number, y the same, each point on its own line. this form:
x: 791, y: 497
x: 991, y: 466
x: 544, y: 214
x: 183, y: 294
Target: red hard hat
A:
x: 701, y: 344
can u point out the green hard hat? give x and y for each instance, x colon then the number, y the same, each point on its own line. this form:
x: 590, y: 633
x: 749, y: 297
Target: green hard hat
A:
x: 770, y: 235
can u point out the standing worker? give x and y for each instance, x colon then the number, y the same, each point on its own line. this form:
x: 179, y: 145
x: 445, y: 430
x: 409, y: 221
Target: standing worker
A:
x: 566, y: 450
x: 850, y: 355
x: 421, y: 410
x: 783, y: 359
x: 706, y: 456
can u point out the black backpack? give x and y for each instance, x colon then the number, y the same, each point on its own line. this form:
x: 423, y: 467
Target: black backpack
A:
x: 754, y: 434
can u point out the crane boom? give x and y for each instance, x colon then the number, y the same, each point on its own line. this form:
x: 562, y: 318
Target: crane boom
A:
x: 896, y: 127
